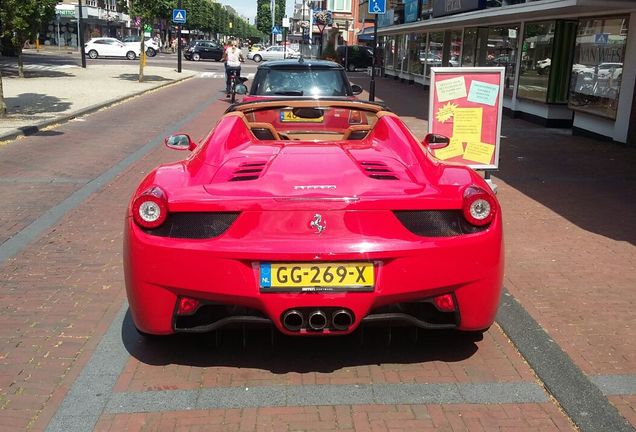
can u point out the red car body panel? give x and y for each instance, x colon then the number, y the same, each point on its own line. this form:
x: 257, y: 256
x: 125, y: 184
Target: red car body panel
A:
x: 273, y: 226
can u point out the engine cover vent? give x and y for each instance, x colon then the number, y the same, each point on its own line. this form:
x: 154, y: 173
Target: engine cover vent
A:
x: 378, y: 170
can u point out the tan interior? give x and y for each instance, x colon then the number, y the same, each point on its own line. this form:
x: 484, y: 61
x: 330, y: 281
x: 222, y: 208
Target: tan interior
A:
x: 293, y: 135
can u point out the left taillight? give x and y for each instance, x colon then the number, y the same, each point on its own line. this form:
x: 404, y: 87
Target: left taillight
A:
x: 150, y: 209
x: 479, y: 206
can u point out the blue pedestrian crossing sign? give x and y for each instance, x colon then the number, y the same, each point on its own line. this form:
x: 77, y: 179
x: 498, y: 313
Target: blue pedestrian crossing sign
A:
x: 601, y: 38
x: 276, y: 30
x: 179, y: 16
x: 377, y: 7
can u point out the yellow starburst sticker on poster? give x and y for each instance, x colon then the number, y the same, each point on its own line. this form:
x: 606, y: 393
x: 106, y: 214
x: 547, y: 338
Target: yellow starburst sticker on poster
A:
x: 446, y: 112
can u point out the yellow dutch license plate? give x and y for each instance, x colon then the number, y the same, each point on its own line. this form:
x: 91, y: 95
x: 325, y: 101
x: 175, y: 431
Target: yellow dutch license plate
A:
x: 289, y: 117
x: 345, y: 276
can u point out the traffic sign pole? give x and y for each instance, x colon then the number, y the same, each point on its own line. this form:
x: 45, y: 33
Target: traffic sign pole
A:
x: 179, y: 42
x: 376, y: 7
x: 375, y: 55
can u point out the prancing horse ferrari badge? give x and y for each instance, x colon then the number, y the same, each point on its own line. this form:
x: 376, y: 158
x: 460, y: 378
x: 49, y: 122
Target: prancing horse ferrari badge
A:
x: 318, y: 223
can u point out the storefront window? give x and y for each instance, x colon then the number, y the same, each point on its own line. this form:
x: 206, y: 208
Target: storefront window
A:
x: 470, y: 43
x: 401, y: 60
x: 417, y: 42
x: 389, y: 52
x: 502, y: 51
x: 434, y: 51
x: 536, y: 60
x: 597, y: 68
x: 455, y: 48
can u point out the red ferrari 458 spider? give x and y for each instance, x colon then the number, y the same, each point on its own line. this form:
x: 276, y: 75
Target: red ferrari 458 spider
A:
x: 315, y: 216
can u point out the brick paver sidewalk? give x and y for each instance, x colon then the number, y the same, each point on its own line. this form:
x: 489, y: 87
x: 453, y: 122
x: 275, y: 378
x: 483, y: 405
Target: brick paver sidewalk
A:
x: 69, y: 357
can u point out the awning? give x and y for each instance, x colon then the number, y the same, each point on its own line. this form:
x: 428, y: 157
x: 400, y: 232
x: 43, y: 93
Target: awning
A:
x: 366, y: 35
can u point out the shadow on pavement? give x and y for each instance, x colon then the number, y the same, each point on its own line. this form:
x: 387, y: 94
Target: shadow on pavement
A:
x: 35, y: 103
x: 147, y: 78
x: 47, y: 133
x: 589, y: 182
x: 267, y: 349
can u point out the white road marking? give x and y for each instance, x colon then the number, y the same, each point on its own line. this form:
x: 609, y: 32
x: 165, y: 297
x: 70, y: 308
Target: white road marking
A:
x: 218, y: 75
x: 32, y: 67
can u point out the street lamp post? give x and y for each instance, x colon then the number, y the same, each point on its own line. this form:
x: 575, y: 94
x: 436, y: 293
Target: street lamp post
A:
x: 80, y: 36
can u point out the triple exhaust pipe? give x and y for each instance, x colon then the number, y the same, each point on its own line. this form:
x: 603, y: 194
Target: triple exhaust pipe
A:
x: 316, y: 319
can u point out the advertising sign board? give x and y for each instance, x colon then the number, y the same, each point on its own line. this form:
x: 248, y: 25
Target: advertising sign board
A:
x: 465, y: 105
x: 450, y: 7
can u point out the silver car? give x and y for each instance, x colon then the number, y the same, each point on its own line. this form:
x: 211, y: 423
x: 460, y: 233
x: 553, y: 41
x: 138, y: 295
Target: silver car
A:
x: 275, y: 52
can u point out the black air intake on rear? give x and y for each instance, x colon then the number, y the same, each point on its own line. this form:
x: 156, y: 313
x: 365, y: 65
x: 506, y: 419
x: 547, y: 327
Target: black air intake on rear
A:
x: 436, y: 223
x: 248, y: 171
x: 194, y: 225
x: 378, y: 170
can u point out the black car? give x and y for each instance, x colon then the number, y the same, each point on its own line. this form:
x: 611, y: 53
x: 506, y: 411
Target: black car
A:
x: 353, y: 57
x: 312, y: 78
x: 203, y: 49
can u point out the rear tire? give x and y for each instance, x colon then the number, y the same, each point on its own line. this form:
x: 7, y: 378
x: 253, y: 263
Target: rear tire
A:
x: 257, y: 58
x: 351, y: 67
x: 196, y: 57
x: 93, y: 54
x: 151, y: 52
x: 130, y: 55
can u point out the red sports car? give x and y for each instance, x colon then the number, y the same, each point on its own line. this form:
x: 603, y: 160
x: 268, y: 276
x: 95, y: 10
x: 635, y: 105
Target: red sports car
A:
x: 313, y: 230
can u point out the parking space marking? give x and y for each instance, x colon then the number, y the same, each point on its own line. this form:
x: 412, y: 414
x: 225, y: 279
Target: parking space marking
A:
x: 615, y: 385
x: 583, y: 401
x: 90, y: 392
x: 317, y: 395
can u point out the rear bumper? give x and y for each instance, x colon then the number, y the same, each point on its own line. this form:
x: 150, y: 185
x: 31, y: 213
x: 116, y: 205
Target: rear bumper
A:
x: 225, y: 271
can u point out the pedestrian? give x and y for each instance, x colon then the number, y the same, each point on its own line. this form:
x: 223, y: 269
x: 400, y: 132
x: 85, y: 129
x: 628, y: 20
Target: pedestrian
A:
x: 173, y: 45
x: 232, y: 58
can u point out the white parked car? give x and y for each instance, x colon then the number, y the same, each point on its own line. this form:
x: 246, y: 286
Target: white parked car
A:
x: 152, y: 47
x: 543, y: 66
x: 110, y: 47
x: 275, y: 52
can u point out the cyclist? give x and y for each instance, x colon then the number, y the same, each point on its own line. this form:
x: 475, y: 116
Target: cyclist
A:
x: 232, y: 58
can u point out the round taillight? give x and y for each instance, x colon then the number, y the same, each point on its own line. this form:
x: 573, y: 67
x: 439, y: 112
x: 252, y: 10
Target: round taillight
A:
x: 150, y: 209
x: 479, y: 206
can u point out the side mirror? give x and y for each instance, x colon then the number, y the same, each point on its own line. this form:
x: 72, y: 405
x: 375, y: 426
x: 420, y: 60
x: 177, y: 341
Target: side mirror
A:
x: 356, y: 89
x: 180, y: 142
x: 435, y: 141
x: 240, y: 89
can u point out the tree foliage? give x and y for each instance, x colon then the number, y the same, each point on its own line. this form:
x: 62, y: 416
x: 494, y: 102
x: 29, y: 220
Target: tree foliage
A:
x: 264, y: 15
x: 21, y: 20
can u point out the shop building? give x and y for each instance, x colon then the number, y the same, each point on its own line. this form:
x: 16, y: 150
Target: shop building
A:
x: 99, y: 18
x: 568, y: 63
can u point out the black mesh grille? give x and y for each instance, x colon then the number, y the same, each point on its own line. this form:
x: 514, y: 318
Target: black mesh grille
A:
x: 194, y: 225
x: 436, y: 223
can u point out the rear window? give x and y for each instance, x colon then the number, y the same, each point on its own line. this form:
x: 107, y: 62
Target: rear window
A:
x: 303, y: 82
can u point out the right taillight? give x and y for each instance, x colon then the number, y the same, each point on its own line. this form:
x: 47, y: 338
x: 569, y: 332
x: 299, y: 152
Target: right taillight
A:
x: 479, y: 207
x: 150, y: 209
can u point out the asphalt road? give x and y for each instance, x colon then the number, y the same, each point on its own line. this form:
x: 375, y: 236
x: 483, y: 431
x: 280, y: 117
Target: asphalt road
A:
x: 163, y: 60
